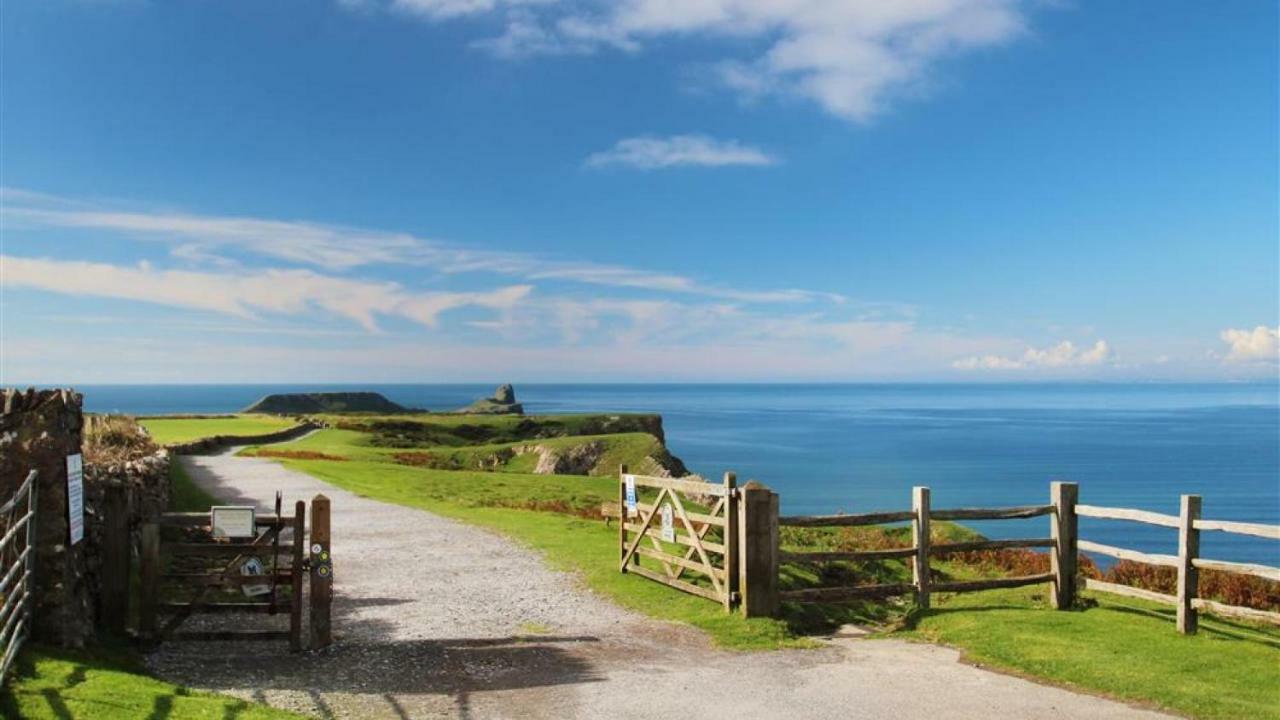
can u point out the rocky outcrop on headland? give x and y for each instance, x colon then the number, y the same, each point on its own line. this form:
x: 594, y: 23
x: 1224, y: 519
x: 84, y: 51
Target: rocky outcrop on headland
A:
x: 503, y: 402
x: 324, y: 402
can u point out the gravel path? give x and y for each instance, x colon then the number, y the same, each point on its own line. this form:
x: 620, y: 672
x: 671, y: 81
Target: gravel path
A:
x: 434, y: 618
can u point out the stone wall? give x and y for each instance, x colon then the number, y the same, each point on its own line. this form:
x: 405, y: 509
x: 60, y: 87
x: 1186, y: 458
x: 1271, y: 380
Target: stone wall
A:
x: 38, y: 430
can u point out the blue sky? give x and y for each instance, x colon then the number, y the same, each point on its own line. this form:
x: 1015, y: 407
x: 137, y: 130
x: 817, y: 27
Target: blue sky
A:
x: 454, y: 190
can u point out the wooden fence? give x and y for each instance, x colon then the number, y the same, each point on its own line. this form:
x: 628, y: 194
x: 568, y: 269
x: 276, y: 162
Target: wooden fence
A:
x: 161, y: 579
x: 1187, y: 562
x: 17, y: 569
x: 748, y: 575
x: 687, y: 539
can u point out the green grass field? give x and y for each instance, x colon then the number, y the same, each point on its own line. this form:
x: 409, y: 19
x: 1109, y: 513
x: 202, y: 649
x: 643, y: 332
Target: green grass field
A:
x: 166, y: 431
x: 109, y: 684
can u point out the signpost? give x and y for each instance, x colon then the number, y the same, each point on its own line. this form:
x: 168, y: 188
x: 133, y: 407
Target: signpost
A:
x: 75, y: 497
x: 233, y: 521
x: 630, y: 482
x: 668, y: 524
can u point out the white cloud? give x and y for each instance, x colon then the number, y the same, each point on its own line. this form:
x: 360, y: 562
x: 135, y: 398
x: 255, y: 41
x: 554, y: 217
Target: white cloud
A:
x: 244, y: 294
x: 200, y: 237
x: 1063, y: 355
x: 650, y: 153
x: 1261, y: 344
x: 848, y: 56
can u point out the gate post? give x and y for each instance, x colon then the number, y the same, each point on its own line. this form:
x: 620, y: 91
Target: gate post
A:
x: 1188, y: 575
x: 920, y: 529
x: 150, y: 577
x: 321, y: 573
x: 115, y: 559
x: 732, y: 593
x: 758, y: 550
x: 1065, y: 534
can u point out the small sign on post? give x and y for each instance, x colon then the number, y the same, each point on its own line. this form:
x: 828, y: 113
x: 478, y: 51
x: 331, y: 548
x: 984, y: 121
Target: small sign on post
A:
x: 232, y: 521
x: 75, y: 497
x: 253, y: 567
x: 668, y: 524
x: 630, y: 482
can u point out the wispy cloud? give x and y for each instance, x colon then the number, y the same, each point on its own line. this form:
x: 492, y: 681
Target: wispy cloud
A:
x: 1261, y: 344
x: 651, y: 153
x: 338, y: 248
x: 1063, y: 355
x: 245, y: 294
x: 848, y: 56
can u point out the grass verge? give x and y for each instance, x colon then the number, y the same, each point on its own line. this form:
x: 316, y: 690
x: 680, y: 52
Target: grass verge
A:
x: 166, y: 431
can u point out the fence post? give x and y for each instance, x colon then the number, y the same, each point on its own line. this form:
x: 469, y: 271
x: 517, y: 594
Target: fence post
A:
x: 622, y: 517
x: 115, y: 559
x: 321, y: 573
x: 295, y: 578
x: 1064, y: 531
x: 731, y: 579
x: 920, y: 531
x: 1188, y: 575
x: 758, y: 550
x: 150, y: 577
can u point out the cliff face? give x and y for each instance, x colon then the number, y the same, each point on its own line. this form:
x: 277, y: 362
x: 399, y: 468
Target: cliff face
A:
x: 304, y: 403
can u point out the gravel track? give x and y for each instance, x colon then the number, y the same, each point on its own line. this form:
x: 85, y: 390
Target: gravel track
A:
x: 434, y: 618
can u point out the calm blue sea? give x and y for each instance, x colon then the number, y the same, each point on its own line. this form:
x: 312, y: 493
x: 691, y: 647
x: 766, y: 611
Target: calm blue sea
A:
x: 857, y: 448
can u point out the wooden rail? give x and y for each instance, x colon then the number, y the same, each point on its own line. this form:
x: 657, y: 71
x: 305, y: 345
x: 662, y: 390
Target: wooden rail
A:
x: 1187, y: 561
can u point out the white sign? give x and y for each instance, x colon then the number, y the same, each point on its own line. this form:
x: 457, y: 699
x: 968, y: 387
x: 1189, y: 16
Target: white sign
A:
x: 252, y: 568
x: 75, y: 497
x: 668, y: 524
x: 630, y: 481
x: 232, y: 521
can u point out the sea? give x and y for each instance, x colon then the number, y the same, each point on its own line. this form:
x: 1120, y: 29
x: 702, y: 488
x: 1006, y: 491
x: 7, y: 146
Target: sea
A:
x: 862, y: 447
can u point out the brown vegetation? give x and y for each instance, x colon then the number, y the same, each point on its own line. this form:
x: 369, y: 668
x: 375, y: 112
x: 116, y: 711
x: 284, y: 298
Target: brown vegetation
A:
x: 298, y: 455
x: 112, y: 439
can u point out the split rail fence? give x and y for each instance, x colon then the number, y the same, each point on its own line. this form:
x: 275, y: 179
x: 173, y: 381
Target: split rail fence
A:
x: 757, y: 553
x: 17, y: 569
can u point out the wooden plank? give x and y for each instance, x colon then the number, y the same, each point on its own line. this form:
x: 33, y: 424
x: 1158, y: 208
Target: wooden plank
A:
x: 641, y: 530
x: 697, y: 544
x: 1263, y: 571
x: 920, y: 534
x: 850, y: 592
x: 295, y: 576
x: 1129, y: 591
x: 677, y: 584
x: 201, y: 519
x: 729, y: 539
x: 231, y: 635
x: 1188, y: 574
x: 857, y: 556
x: 1271, y: 532
x: 680, y: 538
x: 206, y: 549
x: 149, y: 572
x: 1000, y: 513
x: 225, y: 580
x: 175, y: 608
x: 682, y: 563
x: 993, y: 583
x: 688, y: 487
x: 1064, y: 537
x: 1113, y: 513
x: 1124, y: 554
x: 700, y: 518
x: 115, y: 559
x: 875, y: 518
x: 321, y: 574
x: 948, y: 548
x: 1236, y: 611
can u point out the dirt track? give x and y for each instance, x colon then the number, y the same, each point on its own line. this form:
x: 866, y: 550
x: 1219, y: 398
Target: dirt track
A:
x: 423, y: 630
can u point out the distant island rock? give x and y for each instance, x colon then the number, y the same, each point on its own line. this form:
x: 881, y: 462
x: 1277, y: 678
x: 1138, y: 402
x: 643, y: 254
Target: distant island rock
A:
x: 503, y: 402
x: 324, y: 402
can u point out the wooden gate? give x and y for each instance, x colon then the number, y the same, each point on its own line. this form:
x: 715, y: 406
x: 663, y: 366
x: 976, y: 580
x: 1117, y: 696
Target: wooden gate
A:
x: 685, y: 526
x: 180, y: 573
